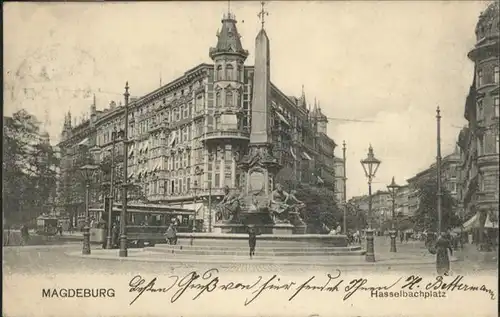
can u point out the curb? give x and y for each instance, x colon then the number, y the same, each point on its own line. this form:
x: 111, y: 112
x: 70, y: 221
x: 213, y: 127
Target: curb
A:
x: 202, y: 260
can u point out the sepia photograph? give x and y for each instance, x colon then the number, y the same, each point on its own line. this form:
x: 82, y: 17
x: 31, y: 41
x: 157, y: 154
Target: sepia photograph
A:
x: 251, y: 158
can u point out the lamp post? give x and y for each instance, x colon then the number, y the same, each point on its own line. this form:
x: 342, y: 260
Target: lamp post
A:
x: 393, y: 189
x: 438, y: 170
x: 114, y: 136
x: 370, y: 165
x: 195, y: 209
x: 123, y: 216
x: 88, y: 172
x: 345, y: 186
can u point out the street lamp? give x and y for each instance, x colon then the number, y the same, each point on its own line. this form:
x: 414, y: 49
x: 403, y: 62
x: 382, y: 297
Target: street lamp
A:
x: 88, y: 172
x: 123, y: 216
x: 393, y: 189
x: 370, y: 165
x: 345, y: 186
x: 114, y: 136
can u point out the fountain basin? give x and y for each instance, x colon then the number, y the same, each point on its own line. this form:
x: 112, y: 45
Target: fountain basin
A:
x: 268, y: 239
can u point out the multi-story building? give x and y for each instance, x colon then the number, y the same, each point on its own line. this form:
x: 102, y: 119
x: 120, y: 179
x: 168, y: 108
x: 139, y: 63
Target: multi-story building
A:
x: 340, y: 181
x: 402, y: 201
x: 187, y: 137
x: 449, y: 180
x: 479, y: 140
x: 381, y: 207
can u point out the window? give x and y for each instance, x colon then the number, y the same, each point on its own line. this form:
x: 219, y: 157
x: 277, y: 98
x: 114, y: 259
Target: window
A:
x: 229, y: 72
x: 496, y: 103
x: 480, y: 112
x: 480, y: 78
x: 496, y: 76
x: 229, y: 99
x: 480, y: 144
x: 219, y: 72
x: 238, y: 74
x: 218, y: 100
x: 497, y: 144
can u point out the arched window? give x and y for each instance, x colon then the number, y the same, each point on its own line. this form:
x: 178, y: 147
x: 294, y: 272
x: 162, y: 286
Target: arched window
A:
x: 229, y: 72
x: 218, y: 99
x: 496, y: 76
x: 229, y: 99
x: 219, y: 72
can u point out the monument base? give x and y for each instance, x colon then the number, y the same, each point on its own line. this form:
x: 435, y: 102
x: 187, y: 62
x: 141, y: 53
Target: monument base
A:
x: 282, y: 228
x: 279, y: 228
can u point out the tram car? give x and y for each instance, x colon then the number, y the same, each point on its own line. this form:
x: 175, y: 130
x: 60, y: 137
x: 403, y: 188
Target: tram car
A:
x: 146, y: 224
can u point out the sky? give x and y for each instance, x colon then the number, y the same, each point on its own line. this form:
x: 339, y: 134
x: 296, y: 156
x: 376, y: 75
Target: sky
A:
x: 388, y: 64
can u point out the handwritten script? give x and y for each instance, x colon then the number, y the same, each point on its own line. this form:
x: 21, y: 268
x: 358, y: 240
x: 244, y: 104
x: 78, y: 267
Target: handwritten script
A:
x: 195, y: 285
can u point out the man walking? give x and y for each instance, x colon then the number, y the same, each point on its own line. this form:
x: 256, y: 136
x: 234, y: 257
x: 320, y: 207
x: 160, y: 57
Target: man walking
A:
x: 252, y: 240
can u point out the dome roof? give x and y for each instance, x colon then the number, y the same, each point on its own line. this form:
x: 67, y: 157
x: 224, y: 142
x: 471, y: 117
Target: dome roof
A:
x: 489, y: 22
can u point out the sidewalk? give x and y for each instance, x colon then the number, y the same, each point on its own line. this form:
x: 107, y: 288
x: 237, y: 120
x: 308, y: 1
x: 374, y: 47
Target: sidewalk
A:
x: 382, y: 258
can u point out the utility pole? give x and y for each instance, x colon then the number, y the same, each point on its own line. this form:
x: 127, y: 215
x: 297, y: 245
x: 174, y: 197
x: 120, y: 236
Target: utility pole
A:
x: 210, y: 206
x: 438, y: 170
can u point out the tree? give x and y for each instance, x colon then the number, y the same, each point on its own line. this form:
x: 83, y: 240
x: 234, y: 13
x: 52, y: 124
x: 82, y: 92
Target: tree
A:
x: 426, y: 216
x: 356, y: 218
x: 320, y: 207
x: 29, y: 168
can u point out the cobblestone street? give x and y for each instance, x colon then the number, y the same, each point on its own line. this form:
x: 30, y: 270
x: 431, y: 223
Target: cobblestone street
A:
x: 54, y: 259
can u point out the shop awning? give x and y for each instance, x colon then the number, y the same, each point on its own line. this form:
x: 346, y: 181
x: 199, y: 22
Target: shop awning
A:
x: 173, y: 138
x: 306, y: 156
x: 490, y: 224
x: 84, y: 142
x: 130, y: 175
x: 283, y: 119
x: 131, y: 150
x: 320, y: 180
x: 471, y: 223
x: 293, y: 153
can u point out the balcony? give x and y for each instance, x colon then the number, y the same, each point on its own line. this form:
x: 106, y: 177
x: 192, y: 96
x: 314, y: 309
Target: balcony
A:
x: 227, y: 135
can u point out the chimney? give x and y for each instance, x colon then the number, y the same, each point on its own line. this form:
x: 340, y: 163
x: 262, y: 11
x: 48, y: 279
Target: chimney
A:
x: 112, y: 105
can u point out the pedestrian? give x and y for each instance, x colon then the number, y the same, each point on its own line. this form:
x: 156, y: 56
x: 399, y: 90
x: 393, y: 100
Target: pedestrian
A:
x: 252, y: 240
x: 401, y: 236
x: 115, y: 235
x: 442, y: 257
x: 25, y: 235
x: 171, y: 234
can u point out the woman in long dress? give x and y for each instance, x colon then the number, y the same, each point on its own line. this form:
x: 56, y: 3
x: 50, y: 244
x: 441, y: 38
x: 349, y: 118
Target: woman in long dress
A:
x: 442, y: 257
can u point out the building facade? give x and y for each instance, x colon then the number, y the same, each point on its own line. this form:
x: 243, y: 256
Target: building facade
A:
x: 479, y: 140
x: 450, y: 167
x: 186, y: 138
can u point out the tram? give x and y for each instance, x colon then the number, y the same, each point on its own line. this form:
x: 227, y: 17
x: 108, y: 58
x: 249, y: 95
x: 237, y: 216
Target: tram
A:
x: 146, y: 224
